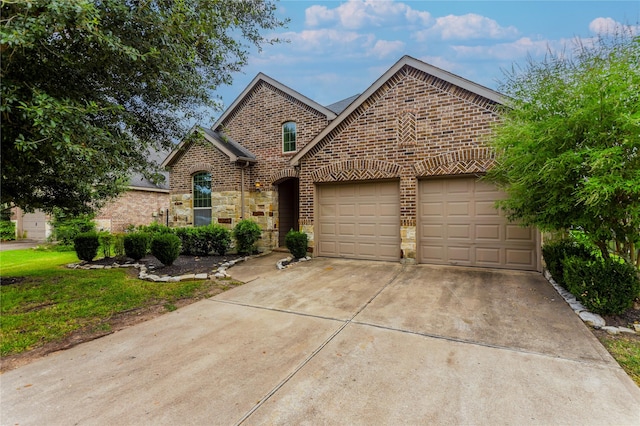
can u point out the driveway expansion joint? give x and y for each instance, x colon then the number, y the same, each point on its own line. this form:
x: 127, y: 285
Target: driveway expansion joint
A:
x: 315, y: 351
x: 604, y: 363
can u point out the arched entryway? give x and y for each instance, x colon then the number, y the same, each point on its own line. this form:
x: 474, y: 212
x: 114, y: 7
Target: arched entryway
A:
x: 288, y: 201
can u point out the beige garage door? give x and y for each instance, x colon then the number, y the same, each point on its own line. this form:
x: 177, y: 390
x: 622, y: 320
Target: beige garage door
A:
x: 359, y: 221
x: 459, y: 225
x: 34, y: 225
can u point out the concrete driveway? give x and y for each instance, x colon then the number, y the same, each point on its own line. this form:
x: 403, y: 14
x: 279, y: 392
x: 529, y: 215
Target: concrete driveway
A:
x: 340, y: 342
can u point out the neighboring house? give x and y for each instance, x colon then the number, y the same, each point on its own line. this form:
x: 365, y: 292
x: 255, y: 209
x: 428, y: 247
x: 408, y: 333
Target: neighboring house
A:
x: 143, y: 203
x: 391, y: 174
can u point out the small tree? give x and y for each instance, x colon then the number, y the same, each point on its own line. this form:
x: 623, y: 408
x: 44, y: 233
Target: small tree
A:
x: 568, y: 144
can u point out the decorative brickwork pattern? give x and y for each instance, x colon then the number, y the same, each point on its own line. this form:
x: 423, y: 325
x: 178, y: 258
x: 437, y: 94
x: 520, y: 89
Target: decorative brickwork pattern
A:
x: 356, y: 170
x: 466, y: 161
x: 283, y: 174
x: 407, y: 128
x: 451, y: 124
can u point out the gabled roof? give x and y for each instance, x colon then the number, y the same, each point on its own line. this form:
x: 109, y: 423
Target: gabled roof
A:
x: 265, y: 78
x: 229, y: 147
x: 404, y: 61
x: 140, y: 182
x: 340, y: 106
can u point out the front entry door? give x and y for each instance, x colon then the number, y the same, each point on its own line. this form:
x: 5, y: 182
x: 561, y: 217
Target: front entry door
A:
x: 288, y: 198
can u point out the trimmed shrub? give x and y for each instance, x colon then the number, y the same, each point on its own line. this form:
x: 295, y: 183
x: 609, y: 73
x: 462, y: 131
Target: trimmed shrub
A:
x: 7, y: 230
x: 218, y: 238
x: 118, y: 245
x: 106, y: 241
x: 246, y: 234
x: 296, y: 242
x: 166, y: 248
x: 155, y: 229
x: 554, y: 254
x: 136, y: 245
x: 603, y: 286
x: 189, y: 240
x: 86, y: 245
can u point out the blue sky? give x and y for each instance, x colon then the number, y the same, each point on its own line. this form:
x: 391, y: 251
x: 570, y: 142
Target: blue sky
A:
x: 339, y: 48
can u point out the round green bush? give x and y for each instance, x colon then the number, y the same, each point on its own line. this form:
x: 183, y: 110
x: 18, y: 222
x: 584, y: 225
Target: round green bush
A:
x: 296, y: 242
x: 136, y: 245
x: 246, y: 233
x: 166, y: 248
x: 86, y: 245
x: 603, y: 286
x: 555, y: 252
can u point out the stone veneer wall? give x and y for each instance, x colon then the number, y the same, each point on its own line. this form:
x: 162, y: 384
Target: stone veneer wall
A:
x: 415, y: 125
x: 261, y: 207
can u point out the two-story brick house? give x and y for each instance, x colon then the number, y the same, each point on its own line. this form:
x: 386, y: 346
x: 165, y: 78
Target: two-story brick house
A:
x: 391, y: 174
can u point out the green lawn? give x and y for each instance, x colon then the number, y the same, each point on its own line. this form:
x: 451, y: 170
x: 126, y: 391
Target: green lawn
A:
x: 51, y: 301
x: 626, y: 350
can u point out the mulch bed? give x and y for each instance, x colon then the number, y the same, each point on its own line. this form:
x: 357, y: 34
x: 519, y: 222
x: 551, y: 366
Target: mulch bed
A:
x: 182, y: 265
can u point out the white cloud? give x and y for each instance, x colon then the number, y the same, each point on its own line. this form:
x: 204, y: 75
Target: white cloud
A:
x: 357, y: 14
x: 465, y: 27
x: 505, y: 51
x: 385, y: 48
x: 443, y: 63
x: 328, y: 40
x: 609, y: 26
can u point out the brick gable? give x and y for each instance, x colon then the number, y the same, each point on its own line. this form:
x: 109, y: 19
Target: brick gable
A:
x: 414, y: 125
x: 257, y: 125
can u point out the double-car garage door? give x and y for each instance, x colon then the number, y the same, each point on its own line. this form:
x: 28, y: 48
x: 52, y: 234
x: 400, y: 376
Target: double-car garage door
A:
x: 457, y: 224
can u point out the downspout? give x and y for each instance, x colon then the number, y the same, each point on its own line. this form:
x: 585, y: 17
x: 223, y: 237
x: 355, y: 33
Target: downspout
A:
x: 242, y: 189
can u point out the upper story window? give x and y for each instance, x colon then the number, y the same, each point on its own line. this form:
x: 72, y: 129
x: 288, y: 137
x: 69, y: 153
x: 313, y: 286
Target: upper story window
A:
x: 289, y: 136
x: 202, y: 199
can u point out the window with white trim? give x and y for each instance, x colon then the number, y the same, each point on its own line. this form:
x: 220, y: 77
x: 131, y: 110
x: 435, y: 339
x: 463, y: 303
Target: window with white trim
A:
x: 289, y: 136
x: 201, y: 199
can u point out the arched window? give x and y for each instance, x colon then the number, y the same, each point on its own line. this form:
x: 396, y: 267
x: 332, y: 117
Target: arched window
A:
x: 289, y: 136
x: 202, y: 199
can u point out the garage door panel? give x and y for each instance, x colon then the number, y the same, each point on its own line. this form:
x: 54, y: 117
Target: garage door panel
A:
x: 367, y: 225
x: 459, y: 254
x: 515, y: 232
x: 519, y: 257
x: 459, y: 224
x: 389, y: 231
x: 432, y: 209
x: 432, y: 231
x: 486, y: 209
x: 327, y: 229
x: 367, y: 230
x: 459, y: 232
x: 487, y: 232
x: 458, y: 186
x: 459, y: 208
x: 488, y: 256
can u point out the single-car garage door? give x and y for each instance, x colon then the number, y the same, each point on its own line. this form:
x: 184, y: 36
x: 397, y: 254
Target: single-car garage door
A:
x: 459, y: 225
x: 359, y: 220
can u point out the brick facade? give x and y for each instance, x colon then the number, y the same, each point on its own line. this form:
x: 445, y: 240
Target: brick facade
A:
x: 133, y: 207
x: 410, y: 124
x: 256, y: 123
x: 414, y: 125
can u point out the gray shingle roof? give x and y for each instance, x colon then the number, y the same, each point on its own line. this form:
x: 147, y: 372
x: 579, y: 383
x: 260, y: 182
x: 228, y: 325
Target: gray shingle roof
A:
x: 340, y: 106
x: 233, y: 146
